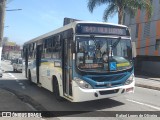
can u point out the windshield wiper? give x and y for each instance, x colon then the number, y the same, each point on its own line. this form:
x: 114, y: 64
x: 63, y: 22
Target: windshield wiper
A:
x: 116, y: 43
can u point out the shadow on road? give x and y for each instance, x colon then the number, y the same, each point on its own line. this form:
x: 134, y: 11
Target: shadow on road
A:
x: 44, y: 100
x: 12, y: 72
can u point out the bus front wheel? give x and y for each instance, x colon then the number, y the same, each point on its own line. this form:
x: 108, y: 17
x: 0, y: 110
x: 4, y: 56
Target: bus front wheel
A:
x: 56, y: 90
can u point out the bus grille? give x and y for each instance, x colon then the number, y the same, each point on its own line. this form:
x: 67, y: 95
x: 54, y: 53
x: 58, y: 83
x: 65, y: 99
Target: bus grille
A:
x: 107, y: 81
x: 109, y: 92
x: 111, y: 85
x: 107, y: 78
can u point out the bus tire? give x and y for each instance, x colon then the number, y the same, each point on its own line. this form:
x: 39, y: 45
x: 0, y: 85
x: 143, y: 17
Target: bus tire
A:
x: 56, y: 90
x: 29, y: 78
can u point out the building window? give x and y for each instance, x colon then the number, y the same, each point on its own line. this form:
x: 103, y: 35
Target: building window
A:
x: 146, y: 29
x: 137, y: 30
x: 157, y: 45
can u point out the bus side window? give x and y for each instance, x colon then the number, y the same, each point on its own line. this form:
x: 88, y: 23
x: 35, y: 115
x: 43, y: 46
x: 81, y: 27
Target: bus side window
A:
x: 53, y: 41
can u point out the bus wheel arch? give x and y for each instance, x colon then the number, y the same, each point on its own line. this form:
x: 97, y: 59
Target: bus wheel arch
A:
x: 55, y: 86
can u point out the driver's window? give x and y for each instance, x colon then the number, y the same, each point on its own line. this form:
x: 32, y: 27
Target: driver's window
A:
x: 81, y: 47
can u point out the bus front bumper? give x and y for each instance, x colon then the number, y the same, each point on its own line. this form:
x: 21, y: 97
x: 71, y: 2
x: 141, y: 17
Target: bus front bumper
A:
x: 80, y: 95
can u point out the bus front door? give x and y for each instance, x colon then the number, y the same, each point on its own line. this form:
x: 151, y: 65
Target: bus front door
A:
x: 38, y: 62
x: 67, y: 69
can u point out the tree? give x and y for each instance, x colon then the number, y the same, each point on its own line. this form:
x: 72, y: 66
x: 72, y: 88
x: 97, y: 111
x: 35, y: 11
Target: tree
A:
x: 121, y: 6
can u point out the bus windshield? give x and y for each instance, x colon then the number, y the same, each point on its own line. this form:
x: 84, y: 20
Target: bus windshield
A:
x: 96, y: 53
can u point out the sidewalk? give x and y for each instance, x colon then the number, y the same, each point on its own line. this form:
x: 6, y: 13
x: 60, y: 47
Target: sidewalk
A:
x: 147, y: 82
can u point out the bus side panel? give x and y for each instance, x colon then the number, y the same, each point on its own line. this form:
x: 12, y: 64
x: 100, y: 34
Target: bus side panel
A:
x: 45, y: 75
x: 47, y: 71
x: 50, y: 65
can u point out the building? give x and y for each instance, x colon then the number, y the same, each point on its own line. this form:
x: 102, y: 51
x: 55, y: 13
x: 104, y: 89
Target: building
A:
x: 146, y: 33
x: 10, y: 49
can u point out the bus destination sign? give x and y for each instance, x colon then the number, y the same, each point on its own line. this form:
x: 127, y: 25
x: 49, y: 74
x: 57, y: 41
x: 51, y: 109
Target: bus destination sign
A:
x: 105, y: 30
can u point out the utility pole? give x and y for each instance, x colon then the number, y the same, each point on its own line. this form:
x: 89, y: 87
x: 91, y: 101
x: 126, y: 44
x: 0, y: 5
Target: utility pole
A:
x: 2, y: 13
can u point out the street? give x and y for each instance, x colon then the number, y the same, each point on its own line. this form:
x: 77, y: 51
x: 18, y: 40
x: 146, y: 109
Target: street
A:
x: 43, y: 100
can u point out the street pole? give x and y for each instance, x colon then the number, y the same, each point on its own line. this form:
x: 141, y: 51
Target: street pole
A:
x: 2, y: 13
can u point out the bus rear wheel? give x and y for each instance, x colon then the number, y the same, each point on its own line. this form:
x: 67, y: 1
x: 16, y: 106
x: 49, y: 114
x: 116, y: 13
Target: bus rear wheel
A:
x: 56, y: 91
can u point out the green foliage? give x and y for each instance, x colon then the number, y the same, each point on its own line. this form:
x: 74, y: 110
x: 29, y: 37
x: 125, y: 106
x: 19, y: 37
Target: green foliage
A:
x: 121, y: 6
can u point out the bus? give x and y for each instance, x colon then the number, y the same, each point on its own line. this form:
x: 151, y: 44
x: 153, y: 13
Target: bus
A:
x: 82, y: 61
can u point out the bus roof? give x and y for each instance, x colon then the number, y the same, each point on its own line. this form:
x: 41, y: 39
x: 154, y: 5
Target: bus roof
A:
x: 68, y: 26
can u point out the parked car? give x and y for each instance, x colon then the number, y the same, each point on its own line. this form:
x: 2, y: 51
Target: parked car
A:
x: 17, y: 65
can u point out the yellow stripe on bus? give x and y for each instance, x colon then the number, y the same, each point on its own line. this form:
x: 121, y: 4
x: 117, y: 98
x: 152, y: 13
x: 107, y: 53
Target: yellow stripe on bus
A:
x: 48, y: 63
x: 123, y: 64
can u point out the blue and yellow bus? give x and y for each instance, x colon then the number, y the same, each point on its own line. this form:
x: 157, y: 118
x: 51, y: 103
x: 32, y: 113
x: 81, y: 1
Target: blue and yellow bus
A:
x: 82, y: 61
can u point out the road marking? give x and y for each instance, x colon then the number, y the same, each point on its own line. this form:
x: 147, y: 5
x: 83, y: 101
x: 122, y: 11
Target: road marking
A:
x: 23, y: 87
x: 151, y: 106
x: 11, y: 75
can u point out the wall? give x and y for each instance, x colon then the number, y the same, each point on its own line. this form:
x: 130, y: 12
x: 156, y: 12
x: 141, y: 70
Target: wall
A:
x: 146, y: 39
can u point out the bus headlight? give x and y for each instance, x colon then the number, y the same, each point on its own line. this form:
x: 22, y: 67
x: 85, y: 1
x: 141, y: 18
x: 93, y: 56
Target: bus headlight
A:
x: 83, y: 84
x: 129, y: 80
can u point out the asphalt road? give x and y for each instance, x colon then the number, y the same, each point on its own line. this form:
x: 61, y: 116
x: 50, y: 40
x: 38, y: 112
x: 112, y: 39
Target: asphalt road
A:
x: 41, y: 99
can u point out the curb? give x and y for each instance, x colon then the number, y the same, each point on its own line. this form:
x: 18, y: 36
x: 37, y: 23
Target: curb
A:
x: 147, y: 86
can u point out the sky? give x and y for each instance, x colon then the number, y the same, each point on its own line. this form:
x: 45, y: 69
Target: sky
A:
x: 38, y: 17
